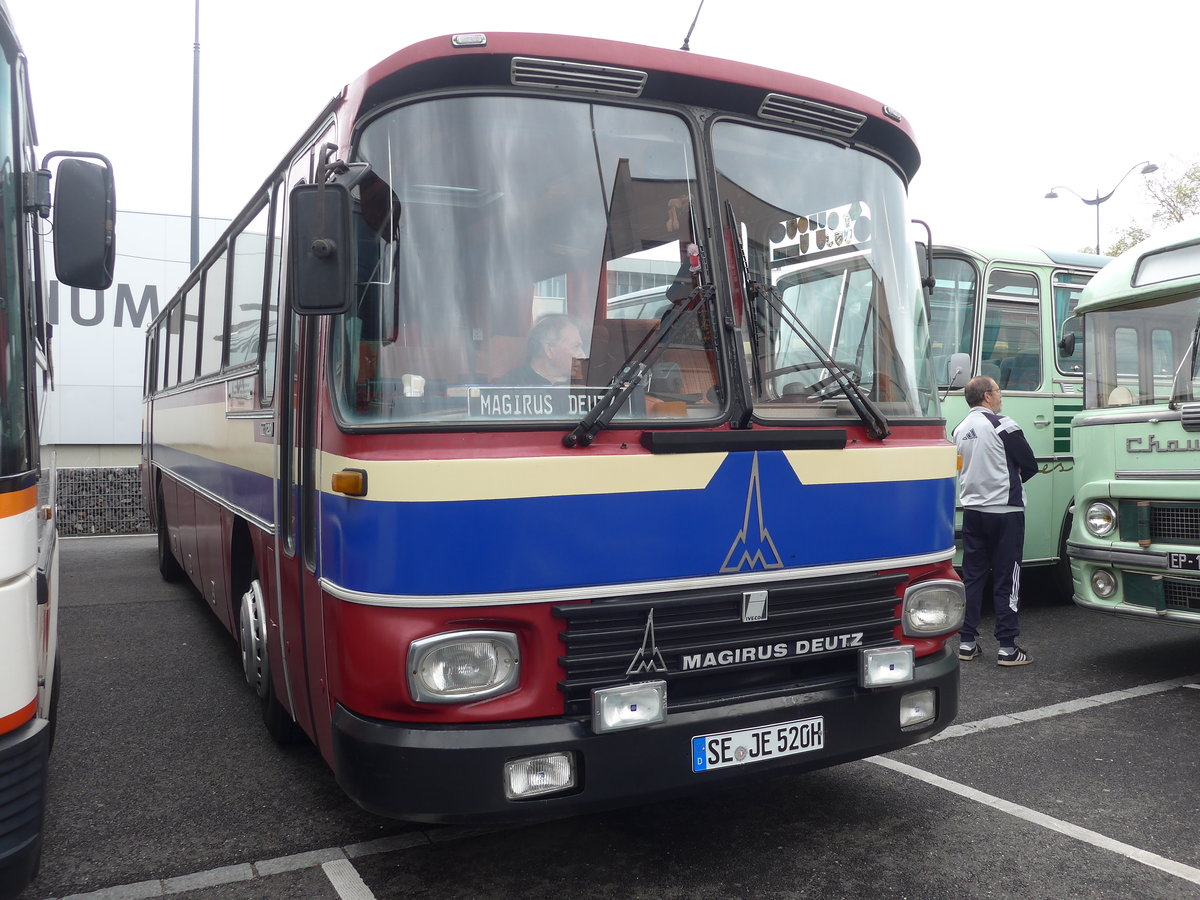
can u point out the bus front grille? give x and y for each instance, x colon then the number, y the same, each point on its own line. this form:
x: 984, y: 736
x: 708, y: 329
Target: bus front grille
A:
x: 1175, y: 523
x: 808, y: 638
x: 1181, y: 594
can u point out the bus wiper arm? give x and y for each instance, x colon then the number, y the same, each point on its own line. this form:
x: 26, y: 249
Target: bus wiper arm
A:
x: 633, y: 371
x: 868, y: 411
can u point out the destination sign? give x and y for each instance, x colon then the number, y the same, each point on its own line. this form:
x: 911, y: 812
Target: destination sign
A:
x: 549, y: 401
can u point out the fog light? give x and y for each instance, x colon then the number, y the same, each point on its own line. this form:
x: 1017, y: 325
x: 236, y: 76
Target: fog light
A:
x: 1104, y: 583
x: 885, y: 666
x: 629, y: 706
x: 534, y: 776
x: 917, y: 708
x: 462, y: 666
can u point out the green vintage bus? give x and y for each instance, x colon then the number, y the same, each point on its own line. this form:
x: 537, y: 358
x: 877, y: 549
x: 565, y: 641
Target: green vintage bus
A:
x: 1135, y: 545
x: 1002, y: 312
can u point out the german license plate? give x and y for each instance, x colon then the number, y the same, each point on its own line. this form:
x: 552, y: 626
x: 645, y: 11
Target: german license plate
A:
x: 1189, y: 561
x: 737, y: 748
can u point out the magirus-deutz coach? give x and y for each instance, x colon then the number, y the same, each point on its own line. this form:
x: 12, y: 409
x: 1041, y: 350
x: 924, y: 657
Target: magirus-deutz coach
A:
x: 556, y: 428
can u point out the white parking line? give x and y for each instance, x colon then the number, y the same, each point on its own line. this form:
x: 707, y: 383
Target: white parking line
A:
x: 1060, y: 709
x: 346, y: 880
x: 1162, y: 863
x: 1170, y: 866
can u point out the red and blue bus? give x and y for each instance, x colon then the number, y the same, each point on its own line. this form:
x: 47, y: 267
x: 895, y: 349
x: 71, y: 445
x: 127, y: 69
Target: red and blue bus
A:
x: 82, y: 212
x: 556, y: 429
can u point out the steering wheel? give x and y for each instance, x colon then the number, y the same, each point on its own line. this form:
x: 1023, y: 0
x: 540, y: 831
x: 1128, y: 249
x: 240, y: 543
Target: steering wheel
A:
x: 813, y: 364
x: 826, y: 388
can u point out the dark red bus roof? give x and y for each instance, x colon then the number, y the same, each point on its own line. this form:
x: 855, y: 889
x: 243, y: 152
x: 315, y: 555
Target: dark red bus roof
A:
x: 674, y: 75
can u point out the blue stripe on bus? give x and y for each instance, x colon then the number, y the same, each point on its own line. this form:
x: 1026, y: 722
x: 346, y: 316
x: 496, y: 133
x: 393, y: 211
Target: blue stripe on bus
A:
x: 242, y: 488
x: 485, y: 546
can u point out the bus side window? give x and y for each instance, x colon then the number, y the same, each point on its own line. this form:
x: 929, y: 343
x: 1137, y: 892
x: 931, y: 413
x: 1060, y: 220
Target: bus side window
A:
x: 189, y: 323
x: 212, y: 328
x: 271, y: 290
x: 246, y: 288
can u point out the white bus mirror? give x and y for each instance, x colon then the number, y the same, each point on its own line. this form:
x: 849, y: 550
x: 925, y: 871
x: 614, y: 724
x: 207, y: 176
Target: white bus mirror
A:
x: 958, y: 370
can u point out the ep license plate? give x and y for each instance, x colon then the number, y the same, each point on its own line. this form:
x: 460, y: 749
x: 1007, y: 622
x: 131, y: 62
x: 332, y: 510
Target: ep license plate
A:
x: 1189, y: 561
x: 736, y: 748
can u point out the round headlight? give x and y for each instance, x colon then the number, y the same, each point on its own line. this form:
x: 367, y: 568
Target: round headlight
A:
x: 1104, y: 583
x: 1101, y: 519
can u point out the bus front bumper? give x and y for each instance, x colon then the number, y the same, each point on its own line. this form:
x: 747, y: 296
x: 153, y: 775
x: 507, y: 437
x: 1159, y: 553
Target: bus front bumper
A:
x: 455, y: 773
x: 24, y: 757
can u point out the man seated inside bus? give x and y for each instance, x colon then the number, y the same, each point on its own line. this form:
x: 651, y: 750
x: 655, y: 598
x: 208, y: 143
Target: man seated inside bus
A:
x: 554, y: 349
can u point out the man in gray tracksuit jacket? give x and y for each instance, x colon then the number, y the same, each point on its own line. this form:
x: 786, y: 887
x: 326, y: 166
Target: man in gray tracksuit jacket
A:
x: 996, y: 462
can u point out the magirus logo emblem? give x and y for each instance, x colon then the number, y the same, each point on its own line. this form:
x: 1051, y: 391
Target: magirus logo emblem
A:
x: 753, y: 547
x: 647, y: 658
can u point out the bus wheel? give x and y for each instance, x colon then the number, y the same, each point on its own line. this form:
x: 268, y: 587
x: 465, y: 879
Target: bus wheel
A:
x: 255, y: 665
x: 1061, y: 573
x: 168, y: 566
x: 254, y: 638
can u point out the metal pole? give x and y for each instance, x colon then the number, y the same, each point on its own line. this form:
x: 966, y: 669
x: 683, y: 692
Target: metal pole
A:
x: 1098, y: 221
x: 196, y: 142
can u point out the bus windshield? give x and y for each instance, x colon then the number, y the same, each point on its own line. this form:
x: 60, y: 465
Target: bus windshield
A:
x: 512, y: 253
x: 15, y: 449
x: 1142, y: 354
x: 825, y: 244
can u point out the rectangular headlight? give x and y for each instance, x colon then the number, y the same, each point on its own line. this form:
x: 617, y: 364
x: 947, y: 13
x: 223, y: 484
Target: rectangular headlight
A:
x: 534, y: 776
x: 463, y: 666
x: 933, y: 607
x: 918, y: 708
x: 886, y: 666
x: 629, y: 706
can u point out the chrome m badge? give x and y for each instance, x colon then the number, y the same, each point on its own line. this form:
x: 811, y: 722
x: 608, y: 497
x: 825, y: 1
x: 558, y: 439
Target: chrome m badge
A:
x: 754, y: 606
x: 647, y: 659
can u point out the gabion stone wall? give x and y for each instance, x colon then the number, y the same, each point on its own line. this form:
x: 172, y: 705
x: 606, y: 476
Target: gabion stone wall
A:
x: 101, y: 501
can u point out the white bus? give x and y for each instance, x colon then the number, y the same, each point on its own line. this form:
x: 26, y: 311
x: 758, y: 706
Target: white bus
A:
x: 83, y: 208
x: 1002, y: 312
x: 1135, y: 547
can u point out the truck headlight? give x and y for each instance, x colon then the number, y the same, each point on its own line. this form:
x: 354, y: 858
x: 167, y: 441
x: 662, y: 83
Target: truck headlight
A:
x: 1101, y: 519
x: 933, y: 608
x: 462, y: 666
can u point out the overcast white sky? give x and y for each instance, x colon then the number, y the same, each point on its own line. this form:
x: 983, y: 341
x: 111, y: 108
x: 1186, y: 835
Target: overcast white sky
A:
x: 1007, y: 99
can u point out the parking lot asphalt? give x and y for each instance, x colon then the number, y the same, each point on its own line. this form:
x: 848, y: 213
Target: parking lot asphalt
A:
x: 1075, y: 776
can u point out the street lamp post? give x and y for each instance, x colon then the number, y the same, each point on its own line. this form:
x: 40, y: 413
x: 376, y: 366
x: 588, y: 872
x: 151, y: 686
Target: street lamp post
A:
x: 1147, y: 168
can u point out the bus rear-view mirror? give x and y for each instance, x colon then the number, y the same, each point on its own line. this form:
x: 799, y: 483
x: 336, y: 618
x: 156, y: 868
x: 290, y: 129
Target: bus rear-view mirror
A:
x: 958, y: 370
x: 320, y: 249
x: 84, y: 214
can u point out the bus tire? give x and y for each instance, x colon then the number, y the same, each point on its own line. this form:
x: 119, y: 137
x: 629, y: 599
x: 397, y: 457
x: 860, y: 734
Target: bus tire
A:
x: 168, y: 566
x: 252, y: 636
x: 1061, y: 574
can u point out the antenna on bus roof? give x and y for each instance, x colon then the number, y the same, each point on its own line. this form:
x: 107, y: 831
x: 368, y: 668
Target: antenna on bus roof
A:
x: 688, y: 37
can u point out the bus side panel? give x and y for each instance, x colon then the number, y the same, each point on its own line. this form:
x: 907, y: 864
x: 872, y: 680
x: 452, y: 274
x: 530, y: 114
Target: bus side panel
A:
x: 288, y: 630
x: 213, y: 524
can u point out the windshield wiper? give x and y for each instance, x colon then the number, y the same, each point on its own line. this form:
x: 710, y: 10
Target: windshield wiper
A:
x: 867, y: 410
x: 633, y: 370
x: 1179, y: 393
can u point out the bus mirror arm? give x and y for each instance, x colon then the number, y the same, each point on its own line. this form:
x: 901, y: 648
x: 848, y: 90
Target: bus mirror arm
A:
x: 925, y: 261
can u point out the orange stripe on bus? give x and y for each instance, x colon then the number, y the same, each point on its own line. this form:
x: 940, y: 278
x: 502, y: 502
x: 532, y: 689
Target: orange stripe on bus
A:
x: 13, y: 721
x: 17, y: 502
